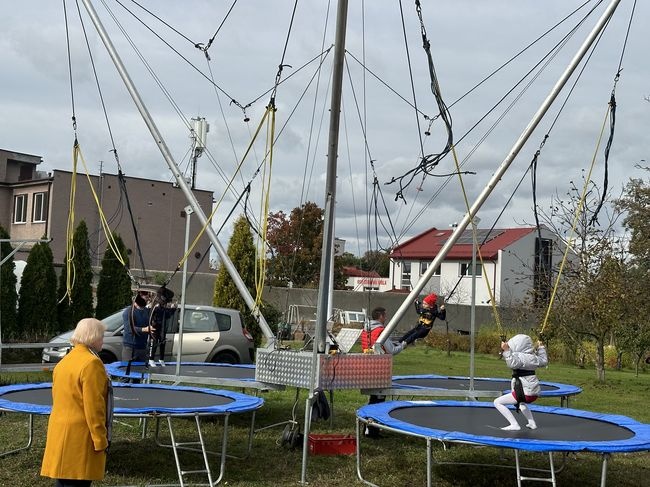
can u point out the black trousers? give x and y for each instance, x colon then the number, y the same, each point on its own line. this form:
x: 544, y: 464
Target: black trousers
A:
x: 71, y: 483
x: 420, y: 331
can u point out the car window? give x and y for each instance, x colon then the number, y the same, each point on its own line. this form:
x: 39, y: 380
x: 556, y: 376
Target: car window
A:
x: 113, y: 322
x: 171, y: 320
x: 224, y: 321
x: 199, y: 321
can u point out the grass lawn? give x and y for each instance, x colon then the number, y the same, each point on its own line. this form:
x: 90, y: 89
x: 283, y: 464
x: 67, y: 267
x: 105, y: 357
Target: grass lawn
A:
x: 395, y: 460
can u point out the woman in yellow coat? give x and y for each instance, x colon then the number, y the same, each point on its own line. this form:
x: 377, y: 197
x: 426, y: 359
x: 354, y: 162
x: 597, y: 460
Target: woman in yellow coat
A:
x: 78, y: 431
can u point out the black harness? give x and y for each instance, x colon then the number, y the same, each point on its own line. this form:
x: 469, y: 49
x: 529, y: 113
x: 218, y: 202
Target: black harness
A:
x: 518, y: 386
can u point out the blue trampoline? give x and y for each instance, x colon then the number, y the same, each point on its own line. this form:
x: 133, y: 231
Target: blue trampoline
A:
x: 147, y: 401
x: 229, y: 375
x: 431, y: 385
x: 479, y: 423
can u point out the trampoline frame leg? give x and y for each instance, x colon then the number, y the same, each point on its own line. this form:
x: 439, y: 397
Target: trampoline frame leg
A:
x: 249, y: 443
x: 30, y: 438
x: 176, y: 446
x: 358, y: 450
x: 520, y: 477
x: 603, y: 471
x: 429, y: 462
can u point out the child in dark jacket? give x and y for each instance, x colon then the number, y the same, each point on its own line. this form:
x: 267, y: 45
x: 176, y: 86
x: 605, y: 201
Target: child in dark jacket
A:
x: 428, y: 312
x: 157, y: 324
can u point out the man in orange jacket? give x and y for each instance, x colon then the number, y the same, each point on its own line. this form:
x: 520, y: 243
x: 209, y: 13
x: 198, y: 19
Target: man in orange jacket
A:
x: 369, y: 336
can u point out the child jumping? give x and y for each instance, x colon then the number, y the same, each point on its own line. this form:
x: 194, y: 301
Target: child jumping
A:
x: 523, y: 359
x: 428, y: 312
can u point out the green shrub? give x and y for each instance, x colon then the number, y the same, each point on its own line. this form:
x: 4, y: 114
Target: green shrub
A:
x: 439, y: 340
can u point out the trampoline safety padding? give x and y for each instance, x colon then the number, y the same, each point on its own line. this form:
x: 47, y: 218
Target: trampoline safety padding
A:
x: 148, y: 401
x: 479, y: 423
x: 224, y: 375
x: 432, y: 385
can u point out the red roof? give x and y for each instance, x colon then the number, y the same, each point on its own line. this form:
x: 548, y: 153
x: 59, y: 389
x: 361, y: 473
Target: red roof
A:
x: 427, y: 245
x: 351, y: 271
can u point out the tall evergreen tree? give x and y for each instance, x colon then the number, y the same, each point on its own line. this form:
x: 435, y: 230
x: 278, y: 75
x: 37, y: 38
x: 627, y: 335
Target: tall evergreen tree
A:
x: 63, y: 311
x: 241, y: 250
x: 37, y: 301
x: 80, y: 302
x: 114, y: 287
x: 8, y: 294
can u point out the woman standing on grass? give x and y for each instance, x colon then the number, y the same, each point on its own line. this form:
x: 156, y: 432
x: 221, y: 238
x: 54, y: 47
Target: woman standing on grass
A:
x: 78, y: 432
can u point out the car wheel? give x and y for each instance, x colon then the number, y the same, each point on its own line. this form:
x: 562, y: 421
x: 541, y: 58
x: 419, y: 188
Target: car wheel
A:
x: 107, y: 357
x: 225, y: 358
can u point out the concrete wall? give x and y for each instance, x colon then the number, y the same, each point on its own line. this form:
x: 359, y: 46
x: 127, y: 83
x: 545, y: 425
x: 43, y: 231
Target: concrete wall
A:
x: 458, y: 316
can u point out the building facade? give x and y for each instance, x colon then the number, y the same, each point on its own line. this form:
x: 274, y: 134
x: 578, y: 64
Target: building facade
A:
x: 512, y: 264
x: 36, y: 205
x: 360, y: 280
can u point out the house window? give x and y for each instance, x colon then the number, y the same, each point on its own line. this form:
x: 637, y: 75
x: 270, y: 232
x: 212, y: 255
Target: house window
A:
x: 425, y: 265
x: 466, y: 269
x: 39, y: 207
x: 406, y: 275
x: 20, y: 208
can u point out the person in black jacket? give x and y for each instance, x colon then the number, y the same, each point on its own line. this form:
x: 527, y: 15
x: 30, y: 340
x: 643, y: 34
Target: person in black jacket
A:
x: 158, y: 332
x: 428, y: 312
x: 136, y: 330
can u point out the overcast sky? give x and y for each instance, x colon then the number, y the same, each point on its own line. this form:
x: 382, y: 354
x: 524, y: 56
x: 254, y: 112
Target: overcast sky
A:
x: 469, y: 40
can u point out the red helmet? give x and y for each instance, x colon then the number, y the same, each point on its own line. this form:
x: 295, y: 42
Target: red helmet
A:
x: 430, y: 300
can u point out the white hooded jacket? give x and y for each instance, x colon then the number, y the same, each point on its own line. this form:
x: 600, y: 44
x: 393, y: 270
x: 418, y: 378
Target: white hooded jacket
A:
x: 522, y: 355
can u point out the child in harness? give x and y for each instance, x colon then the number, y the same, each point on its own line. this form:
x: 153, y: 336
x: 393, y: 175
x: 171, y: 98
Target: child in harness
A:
x: 428, y: 312
x: 523, y: 359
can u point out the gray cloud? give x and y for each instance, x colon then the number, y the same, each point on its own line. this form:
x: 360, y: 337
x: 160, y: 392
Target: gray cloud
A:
x: 468, y: 40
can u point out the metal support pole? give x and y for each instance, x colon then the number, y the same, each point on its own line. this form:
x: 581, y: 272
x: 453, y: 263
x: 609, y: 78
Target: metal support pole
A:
x: 181, y: 321
x: 496, y: 177
x: 472, y: 315
x: 173, y: 167
x: 327, y: 258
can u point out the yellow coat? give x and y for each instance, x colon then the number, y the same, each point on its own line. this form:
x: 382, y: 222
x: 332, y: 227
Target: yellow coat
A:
x: 76, y: 433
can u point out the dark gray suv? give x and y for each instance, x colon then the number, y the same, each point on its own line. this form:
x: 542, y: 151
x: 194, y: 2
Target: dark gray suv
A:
x: 209, y: 335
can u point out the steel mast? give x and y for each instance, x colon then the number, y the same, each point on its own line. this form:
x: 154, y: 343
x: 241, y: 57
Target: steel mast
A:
x: 173, y: 167
x: 496, y: 177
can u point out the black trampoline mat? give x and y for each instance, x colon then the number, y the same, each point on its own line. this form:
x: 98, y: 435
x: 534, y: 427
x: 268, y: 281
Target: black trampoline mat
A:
x: 199, y: 370
x: 487, y: 421
x: 38, y: 397
x: 462, y: 384
x: 133, y: 398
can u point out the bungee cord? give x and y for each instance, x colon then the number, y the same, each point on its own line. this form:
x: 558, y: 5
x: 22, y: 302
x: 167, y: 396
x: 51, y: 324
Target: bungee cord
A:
x: 428, y: 162
x: 379, y: 198
x: 612, y: 121
x: 113, y: 150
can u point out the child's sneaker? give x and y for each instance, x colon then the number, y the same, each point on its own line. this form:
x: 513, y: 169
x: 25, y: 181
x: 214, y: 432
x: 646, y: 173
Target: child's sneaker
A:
x: 161, y: 363
x: 152, y: 363
x: 531, y: 425
x: 511, y: 427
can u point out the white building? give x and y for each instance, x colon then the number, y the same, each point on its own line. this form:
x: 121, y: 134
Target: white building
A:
x: 516, y: 264
x: 360, y: 280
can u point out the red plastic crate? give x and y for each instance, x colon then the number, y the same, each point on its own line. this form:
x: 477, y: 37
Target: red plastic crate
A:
x: 332, y: 444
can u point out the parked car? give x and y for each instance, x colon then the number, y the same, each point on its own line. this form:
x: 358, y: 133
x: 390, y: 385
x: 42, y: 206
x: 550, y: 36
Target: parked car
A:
x: 209, y: 335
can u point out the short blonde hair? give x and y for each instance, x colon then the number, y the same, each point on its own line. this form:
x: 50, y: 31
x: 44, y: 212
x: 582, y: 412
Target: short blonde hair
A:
x: 87, y: 332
